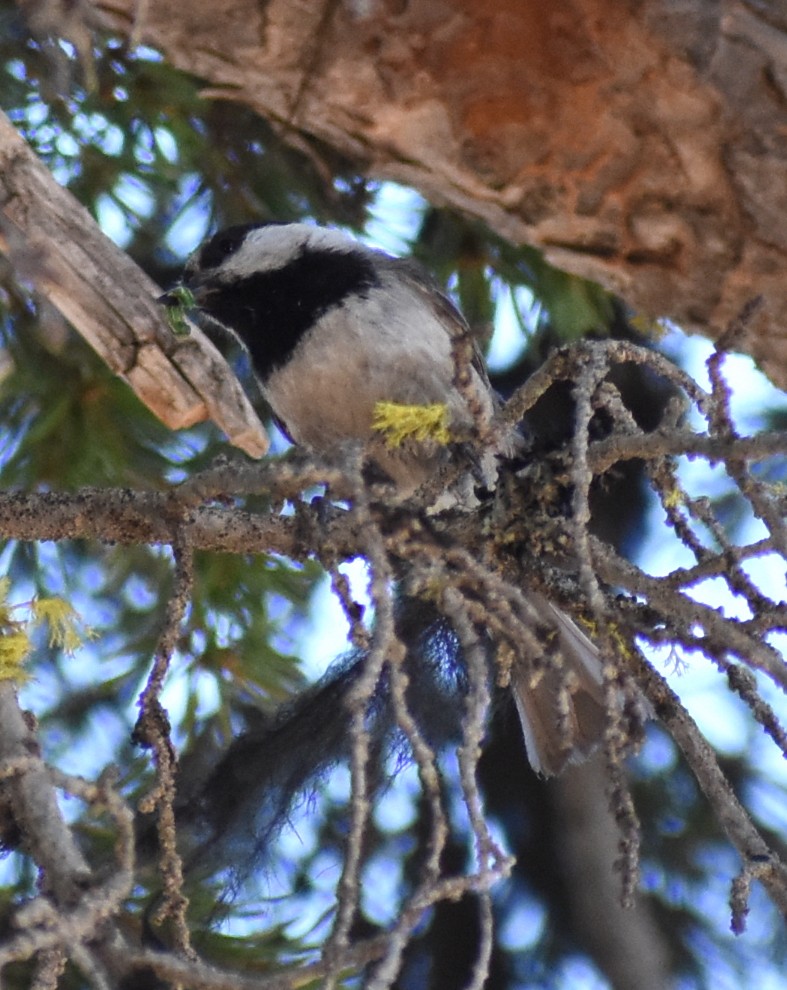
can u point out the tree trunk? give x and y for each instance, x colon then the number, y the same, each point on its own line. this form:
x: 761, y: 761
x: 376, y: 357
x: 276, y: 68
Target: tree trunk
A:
x: 640, y: 144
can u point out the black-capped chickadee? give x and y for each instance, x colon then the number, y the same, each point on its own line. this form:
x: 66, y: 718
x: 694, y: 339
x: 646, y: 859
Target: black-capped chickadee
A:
x: 333, y: 328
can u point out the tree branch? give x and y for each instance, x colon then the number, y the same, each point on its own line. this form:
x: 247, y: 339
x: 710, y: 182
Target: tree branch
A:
x: 55, y: 243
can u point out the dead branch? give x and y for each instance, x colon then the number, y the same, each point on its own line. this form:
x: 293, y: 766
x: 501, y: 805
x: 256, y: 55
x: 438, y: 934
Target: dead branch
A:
x: 60, y: 248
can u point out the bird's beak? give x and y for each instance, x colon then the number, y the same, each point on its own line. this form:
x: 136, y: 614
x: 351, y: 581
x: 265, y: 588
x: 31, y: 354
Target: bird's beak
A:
x: 170, y: 298
x: 182, y: 296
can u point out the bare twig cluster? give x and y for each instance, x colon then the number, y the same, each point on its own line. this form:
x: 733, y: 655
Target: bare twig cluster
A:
x: 74, y: 902
x: 662, y: 610
x: 484, y: 573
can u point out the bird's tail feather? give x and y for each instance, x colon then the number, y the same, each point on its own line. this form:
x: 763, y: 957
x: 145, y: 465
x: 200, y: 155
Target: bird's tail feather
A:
x: 561, y: 707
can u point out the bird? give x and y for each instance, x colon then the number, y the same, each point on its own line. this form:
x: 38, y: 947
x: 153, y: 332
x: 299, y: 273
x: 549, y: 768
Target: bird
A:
x: 333, y: 328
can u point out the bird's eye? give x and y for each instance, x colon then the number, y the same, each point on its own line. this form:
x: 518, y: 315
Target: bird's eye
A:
x: 223, y: 244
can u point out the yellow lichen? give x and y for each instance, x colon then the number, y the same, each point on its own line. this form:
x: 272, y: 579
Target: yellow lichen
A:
x: 63, y: 621
x: 400, y: 423
x: 17, y: 623
x: 672, y: 499
x: 15, y: 648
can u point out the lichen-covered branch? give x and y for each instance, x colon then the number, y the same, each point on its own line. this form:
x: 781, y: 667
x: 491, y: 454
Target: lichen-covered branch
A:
x: 485, y: 573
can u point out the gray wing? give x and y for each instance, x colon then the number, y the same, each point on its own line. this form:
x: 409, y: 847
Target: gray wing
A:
x: 424, y: 284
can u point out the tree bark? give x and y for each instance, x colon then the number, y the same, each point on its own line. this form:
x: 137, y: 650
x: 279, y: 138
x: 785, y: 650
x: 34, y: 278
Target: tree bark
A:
x: 625, y: 942
x: 640, y: 144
